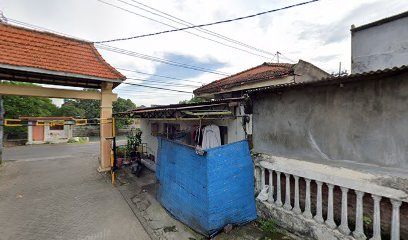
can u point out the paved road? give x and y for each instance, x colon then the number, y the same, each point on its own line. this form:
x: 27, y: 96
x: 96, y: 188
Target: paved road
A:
x: 54, y: 192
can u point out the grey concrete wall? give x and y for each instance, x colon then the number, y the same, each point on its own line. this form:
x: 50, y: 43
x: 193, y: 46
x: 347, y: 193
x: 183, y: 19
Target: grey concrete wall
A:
x: 306, y: 72
x: 364, y: 122
x: 379, y: 47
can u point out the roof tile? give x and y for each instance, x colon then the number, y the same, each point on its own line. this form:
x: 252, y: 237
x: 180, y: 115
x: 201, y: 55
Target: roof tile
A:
x: 30, y: 48
x: 265, y: 71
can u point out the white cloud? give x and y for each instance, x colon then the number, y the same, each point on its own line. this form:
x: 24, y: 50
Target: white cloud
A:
x: 317, y: 32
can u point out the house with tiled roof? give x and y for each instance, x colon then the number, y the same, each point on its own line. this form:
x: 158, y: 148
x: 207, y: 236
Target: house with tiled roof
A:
x: 266, y: 74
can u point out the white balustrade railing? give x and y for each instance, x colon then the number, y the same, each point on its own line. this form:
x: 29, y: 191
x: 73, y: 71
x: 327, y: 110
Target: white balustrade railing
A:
x: 358, y: 232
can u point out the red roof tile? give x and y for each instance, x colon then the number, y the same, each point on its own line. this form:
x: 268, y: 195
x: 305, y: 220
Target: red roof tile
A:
x: 266, y: 71
x: 24, y: 47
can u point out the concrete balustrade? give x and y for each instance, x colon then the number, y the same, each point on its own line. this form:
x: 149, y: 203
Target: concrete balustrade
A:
x: 329, y: 222
x: 278, y: 201
x: 271, y: 188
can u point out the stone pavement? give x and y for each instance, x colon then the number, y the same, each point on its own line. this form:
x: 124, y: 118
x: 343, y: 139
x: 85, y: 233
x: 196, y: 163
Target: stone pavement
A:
x: 54, y: 192
x: 140, y: 193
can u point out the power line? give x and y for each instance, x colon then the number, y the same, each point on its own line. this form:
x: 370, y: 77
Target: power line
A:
x: 186, y: 23
x: 161, y: 83
x: 146, y: 86
x: 157, y: 75
x: 129, y: 53
x: 197, y: 35
x: 160, y: 60
x: 208, y: 24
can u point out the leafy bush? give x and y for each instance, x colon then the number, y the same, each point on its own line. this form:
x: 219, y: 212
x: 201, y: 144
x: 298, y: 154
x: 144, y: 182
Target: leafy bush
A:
x: 134, y: 139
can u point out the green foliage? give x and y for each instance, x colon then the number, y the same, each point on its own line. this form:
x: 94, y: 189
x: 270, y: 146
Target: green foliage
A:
x: 121, y: 151
x: 367, y: 220
x: 70, y: 110
x: 17, y: 106
x: 91, y: 109
x: 134, y: 139
x: 193, y: 100
x: 122, y: 105
x: 267, y: 226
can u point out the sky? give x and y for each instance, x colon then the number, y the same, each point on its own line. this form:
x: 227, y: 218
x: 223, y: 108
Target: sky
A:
x: 318, y: 32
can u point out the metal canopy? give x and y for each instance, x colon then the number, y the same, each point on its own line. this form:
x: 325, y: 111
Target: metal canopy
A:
x: 218, y: 109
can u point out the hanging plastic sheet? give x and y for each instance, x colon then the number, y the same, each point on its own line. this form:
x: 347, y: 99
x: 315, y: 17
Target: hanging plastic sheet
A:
x: 210, y: 191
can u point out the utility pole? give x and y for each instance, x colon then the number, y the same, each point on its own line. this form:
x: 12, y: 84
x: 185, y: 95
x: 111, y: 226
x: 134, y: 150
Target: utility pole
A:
x: 277, y: 55
x: 339, y: 68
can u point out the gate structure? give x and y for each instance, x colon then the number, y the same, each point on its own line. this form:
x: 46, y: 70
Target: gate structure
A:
x: 47, y: 58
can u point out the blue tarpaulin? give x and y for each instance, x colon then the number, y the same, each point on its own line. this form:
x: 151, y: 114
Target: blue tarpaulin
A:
x: 210, y: 191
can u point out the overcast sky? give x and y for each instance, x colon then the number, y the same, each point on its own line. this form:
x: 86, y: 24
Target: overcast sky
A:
x: 318, y: 32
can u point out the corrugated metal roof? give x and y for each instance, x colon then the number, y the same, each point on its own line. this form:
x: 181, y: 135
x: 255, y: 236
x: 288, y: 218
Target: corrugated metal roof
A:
x: 335, y: 80
x: 183, y: 106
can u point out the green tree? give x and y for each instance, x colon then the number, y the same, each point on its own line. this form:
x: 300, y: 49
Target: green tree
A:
x: 70, y: 110
x: 122, y: 105
x: 91, y: 109
x: 17, y: 106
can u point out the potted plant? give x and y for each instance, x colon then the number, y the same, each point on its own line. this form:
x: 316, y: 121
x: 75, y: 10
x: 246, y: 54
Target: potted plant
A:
x: 134, y: 139
x: 120, y: 155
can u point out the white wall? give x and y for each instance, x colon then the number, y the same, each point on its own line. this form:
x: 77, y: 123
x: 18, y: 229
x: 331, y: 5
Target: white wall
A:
x: 235, y: 130
x: 380, y: 47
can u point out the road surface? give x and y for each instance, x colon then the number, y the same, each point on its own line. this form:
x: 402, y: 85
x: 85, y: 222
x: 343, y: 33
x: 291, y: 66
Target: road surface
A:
x: 55, y: 192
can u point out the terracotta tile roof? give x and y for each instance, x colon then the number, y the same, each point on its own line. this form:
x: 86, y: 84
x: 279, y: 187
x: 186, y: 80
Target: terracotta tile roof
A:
x: 24, y: 47
x: 265, y: 71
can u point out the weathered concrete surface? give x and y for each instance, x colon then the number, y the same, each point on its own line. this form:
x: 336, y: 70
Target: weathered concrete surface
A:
x: 364, y: 122
x: 379, y: 47
x: 54, y: 192
x: 140, y: 194
x: 303, y: 227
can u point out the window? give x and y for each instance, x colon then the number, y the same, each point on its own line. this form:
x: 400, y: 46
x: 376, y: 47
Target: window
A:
x: 170, y: 129
x: 154, y: 129
x: 224, y: 135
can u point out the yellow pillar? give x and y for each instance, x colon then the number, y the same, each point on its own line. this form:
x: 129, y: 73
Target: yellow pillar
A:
x: 105, y: 128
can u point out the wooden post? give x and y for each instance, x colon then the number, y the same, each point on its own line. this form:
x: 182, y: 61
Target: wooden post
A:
x: 105, y: 128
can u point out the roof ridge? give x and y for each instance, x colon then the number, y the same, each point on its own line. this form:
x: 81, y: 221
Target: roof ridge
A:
x: 101, y: 60
x: 208, y: 86
x: 44, y: 33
